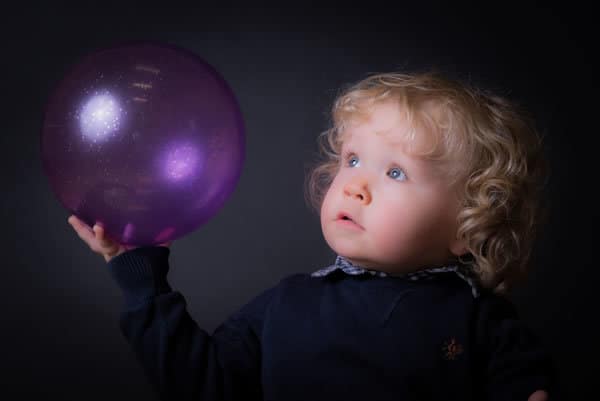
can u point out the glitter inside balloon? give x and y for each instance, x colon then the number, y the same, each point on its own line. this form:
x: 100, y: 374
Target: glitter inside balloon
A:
x: 146, y: 139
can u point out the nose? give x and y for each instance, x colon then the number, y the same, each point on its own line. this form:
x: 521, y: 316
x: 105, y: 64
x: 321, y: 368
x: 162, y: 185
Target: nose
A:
x: 358, y: 189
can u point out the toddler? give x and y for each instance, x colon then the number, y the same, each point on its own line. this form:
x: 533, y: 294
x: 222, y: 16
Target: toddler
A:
x: 429, y: 193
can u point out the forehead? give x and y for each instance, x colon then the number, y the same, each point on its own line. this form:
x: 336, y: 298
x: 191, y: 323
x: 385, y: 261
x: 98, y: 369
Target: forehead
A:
x: 392, y: 124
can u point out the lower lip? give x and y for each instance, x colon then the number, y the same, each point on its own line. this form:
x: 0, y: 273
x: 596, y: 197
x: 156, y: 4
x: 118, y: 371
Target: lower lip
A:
x: 349, y: 224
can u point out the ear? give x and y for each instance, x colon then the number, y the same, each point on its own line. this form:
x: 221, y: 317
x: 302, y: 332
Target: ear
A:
x: 458, y: 247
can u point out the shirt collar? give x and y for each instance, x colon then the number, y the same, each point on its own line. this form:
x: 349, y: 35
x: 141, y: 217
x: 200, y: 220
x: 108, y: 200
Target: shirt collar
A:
x: 348, y: 267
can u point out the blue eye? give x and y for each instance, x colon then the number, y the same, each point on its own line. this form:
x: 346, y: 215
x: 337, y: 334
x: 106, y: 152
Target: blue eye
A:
x: 396, y: 172
x: 351, y: 160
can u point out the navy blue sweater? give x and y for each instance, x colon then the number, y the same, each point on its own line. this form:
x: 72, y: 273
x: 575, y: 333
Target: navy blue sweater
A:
x: 341, y: 333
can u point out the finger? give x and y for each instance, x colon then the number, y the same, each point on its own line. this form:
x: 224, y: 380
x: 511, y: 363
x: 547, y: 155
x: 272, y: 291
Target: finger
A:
x: 100, y: 234
x: 105, y: 242
x: 76, y: 221
x: 83, y: 230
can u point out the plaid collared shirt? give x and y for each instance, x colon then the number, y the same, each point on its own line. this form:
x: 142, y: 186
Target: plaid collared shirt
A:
x: 348, y: 267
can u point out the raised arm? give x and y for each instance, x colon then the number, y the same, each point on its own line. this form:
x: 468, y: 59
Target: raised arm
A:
x: 182, y: 360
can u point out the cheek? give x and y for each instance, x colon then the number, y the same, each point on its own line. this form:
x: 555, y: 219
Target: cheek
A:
x: 326, y: 205
x: 331, y: 193
x: 394, y: 224
x: 407, y: 221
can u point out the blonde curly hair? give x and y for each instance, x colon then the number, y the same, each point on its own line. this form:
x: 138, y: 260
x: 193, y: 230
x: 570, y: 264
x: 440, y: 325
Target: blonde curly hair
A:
x: 486, y: 148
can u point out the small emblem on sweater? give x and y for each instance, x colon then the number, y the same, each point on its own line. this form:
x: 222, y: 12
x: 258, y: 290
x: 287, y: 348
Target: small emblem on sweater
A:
x: 451, y: 349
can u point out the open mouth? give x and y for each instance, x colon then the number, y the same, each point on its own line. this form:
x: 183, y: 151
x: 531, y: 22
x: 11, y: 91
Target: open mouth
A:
x: 344, y: 216
x: 347, y: 220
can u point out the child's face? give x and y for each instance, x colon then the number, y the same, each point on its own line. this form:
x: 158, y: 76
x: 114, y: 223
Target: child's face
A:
x: 405, y: 216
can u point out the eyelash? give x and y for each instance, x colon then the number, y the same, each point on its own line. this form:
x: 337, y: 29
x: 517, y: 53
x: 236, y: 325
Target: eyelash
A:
x: 349, y: 155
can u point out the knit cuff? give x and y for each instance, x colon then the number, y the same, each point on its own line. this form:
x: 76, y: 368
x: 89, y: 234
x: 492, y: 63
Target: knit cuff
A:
x: 141, y: 273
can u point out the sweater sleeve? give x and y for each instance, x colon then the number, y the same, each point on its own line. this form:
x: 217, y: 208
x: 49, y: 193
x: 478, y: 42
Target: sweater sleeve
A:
x: 516, y: 364
x: 181, y: 360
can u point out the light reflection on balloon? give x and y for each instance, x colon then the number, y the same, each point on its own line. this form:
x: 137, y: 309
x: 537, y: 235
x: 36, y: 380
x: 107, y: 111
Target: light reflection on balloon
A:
x: 181, y: 163
x: 100, y: 116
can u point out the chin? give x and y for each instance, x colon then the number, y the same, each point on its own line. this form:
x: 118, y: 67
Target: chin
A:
x: 339, y: 247
x: 350, y: 253
x: 359, y: 262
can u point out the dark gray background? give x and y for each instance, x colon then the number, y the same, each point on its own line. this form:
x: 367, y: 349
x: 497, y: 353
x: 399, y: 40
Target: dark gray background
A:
x: 60, y: 336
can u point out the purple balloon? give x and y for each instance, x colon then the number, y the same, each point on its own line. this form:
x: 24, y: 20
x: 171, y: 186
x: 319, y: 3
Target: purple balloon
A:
x: 146, y: 139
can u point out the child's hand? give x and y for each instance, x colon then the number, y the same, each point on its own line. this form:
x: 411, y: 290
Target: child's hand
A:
x: 98, y: 242
x: 539, y: 395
